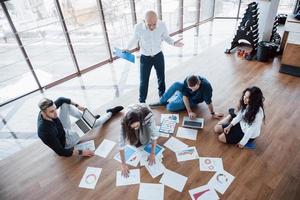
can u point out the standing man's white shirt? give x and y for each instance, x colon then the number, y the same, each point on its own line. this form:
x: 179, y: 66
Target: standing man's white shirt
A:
x: 150, y: 41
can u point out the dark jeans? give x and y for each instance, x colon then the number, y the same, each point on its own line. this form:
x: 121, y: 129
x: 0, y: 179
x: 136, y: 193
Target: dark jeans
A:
x: 145, y: 69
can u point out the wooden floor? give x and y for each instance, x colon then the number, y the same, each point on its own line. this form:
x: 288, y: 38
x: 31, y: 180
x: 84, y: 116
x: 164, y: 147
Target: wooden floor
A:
x: 271, y: 171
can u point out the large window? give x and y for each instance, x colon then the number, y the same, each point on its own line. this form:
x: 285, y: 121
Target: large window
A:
x: 226, y: 8
x: 16, y: 78
x: 286, y: 6
x: 206, y: 9
x: 84, y: 27
x: 170, y: 14
x: 118, y: 21
x: 141, y: 6
x: 41, y: 34
x: 189, y: 12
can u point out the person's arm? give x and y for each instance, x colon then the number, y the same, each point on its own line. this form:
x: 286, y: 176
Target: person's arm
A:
x: 190, y: 112
x: 124, y: 167
x: 252, y: 129
x: 134, y: 40
x: 154, y: 134
x: 214, y: 114
x: 234, y: 121
x: 166, y: 37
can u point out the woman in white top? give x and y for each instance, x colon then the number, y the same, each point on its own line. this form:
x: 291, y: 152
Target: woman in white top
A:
x: 138, y: 128
x: 247, y: 123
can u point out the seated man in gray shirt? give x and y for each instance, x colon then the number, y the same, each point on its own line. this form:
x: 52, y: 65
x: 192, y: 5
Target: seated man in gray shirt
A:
x: 55, y: 130
x: 192, y: 91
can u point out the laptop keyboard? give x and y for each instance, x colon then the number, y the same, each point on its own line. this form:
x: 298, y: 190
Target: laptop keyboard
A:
x: 191, y: 123
x: 82, y: 126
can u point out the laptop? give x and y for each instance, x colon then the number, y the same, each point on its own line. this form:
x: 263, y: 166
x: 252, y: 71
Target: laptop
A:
x: 193, y: 123
x: 85, y: 123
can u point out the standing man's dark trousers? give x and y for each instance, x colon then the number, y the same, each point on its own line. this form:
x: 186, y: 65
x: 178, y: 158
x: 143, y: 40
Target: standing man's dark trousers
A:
x: 145, y: 69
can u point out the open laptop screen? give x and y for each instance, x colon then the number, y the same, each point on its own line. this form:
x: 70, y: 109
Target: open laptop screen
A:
x: 89, y: 118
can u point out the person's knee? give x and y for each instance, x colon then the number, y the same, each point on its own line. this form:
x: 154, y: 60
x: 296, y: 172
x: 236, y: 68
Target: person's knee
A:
x: 218, y: 128
x: 172, y: 108
x: 222, y: 138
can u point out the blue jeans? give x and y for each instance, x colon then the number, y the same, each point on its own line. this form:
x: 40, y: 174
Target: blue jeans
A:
x: 145, y: 69
x: 177, y: 104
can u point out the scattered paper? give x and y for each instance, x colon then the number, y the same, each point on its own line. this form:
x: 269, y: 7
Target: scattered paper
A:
x: 90, y: 178
x: 85, y: 145
x: 104, y: 148
x: 187, y: 133
x: 185, y: 154
x: 173, y: 180
x: 204, y: 192
x: 221, y: 181
x: 210, y: 164
x: 174, y: 117
x: 156, y: 169
x: 175, y: 145
x: 167, y: 126
x: 134, y: 178
x: 158, y: 149
x: 150, y: 191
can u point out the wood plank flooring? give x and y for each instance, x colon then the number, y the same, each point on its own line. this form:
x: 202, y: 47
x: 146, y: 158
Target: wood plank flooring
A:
x: 271, y: 171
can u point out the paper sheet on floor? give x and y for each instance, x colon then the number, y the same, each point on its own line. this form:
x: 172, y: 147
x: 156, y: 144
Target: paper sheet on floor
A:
x: 104, y: 148
x: 156, y: 169
x: 204, y: 192
x: 174, y: 117
x: 134, y: 178
x: 86, y: 145
x: 150, y: 191
x: 210, y: 164
x: 175, y: 145
x: 185, y: 154
x: 173, y: 180
x: 221, y: 181
x: 90, y: 178
x: 187, y: 133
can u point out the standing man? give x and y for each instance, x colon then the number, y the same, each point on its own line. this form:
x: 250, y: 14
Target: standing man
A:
x: 150, y: 35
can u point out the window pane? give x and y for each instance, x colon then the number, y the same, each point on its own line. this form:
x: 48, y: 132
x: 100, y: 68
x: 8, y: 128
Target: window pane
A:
x: 244, y: 6
x: 170, y: 14
x: 16, y: 79
x: 118, y: 21
x: 226, y: 8
x: 189, y: 12
x: 84, y: 26
x: 206, y: 10
x: 41, y: 34
x: 142, y: 6
x: 286, y: 6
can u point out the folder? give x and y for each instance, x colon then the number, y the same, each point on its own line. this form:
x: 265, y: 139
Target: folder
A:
x: 125, y: 55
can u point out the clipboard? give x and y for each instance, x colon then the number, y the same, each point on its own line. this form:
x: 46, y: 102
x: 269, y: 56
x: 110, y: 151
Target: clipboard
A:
x: 125, y: 55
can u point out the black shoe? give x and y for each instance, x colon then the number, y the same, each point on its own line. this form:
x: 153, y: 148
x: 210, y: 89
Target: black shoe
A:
x: 231, y: 112
x: 157, y: 104
x: 97, y: 116
x: 115, y: 110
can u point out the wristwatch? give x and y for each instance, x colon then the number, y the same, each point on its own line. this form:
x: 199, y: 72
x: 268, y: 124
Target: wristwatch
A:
x: 212, y: 113
x: 76, y: 105
x: 80, y: 152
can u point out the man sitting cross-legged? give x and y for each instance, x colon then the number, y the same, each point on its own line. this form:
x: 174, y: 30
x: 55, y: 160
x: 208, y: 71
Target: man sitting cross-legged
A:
x: 189, y: 94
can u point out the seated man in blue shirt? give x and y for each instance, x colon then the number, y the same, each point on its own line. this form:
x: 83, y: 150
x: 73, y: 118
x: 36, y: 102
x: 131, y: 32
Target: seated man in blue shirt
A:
x: 55, y: 129
x: 192, y: 91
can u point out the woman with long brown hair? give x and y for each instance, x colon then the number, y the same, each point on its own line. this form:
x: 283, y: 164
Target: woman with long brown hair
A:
x: 138, y: 128
x: 247, y: 123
